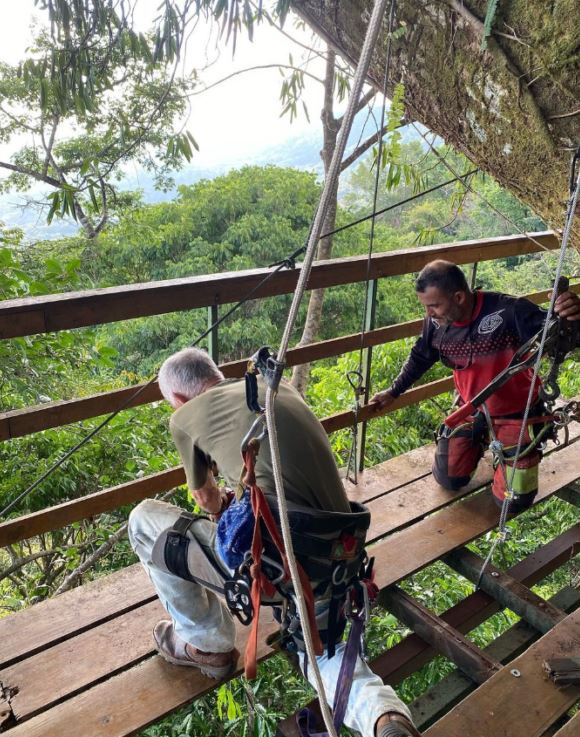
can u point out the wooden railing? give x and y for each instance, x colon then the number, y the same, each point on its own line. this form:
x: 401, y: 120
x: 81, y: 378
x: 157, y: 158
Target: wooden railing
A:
x: 72, y: 310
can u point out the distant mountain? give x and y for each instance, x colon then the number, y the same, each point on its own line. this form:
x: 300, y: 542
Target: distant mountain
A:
x: 302, y: 151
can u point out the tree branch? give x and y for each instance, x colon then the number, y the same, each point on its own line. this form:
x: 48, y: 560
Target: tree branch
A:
x: 359, y: 150
x: 31, y: 173
x: 253, y: 69
x: 99, y: 553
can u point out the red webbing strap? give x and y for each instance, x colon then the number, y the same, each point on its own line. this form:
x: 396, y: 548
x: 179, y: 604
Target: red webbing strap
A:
x: 518, y: 421
x: 260, y: 582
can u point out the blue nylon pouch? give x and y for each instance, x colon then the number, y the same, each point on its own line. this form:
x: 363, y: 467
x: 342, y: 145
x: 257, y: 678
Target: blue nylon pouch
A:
x: 235, y: 529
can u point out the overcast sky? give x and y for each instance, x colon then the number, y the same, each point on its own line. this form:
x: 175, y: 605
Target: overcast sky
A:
x: 236, y: 119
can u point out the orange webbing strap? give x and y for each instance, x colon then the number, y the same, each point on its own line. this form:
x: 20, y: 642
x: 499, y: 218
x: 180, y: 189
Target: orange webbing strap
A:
x: 260, y: 582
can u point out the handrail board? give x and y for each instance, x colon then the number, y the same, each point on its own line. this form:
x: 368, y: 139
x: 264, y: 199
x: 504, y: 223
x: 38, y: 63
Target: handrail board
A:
x: 20, y: 422
x: 54, y: 312
x: 518, y: 707
x: 419, y: 544
x: 52, y: 518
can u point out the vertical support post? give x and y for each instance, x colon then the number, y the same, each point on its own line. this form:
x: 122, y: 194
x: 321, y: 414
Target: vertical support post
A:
x: 212, y: 338
x: 370, y: 316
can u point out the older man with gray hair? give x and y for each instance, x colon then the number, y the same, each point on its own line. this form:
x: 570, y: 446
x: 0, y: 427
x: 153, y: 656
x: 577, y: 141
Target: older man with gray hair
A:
x: 210, y: 420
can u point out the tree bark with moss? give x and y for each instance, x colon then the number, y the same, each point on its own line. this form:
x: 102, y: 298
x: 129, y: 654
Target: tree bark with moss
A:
x: 510, y: 101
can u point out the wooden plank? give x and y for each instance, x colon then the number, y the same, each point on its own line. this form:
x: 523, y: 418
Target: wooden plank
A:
x: 93, y: 307
x: 130, y: 701
x: 448, y: 641
x: 439, y: 699
x: 521, y: 706
x: 506, y: 589
x: 57, y: 672
x: 93, y: 671
x: 59, y: 515
x: 425, y: 542
x: 405, y: 506
x: 45, y: 624
x: 571, y: 729
x: 403, y: 659
x: 18, y: 423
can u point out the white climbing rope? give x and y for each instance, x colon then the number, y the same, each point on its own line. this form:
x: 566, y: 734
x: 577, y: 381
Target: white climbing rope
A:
x: 373, y: 30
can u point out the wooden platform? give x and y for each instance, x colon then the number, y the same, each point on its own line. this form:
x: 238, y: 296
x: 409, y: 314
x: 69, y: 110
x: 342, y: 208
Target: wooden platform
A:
x: 86, y: 658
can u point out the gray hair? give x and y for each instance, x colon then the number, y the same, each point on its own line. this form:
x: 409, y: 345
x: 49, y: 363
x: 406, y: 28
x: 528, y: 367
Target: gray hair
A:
x: 189, y: 373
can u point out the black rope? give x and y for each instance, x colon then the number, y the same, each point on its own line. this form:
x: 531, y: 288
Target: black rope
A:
x: 372, y: 215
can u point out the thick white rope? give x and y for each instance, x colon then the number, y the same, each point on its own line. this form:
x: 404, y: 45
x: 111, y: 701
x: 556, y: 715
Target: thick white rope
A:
x: 509, y: 483
x: 329, y: 185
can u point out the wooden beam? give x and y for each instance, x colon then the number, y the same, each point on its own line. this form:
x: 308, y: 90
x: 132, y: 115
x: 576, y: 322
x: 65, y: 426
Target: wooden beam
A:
x: 571, y: 494
x: 20, y: 422
x: 448, y: 641
x: 412, y: 653
x: 571, y: 729
x: 518, y: 701
x: 54, y: 312
x: 507, y: 590
x: 439, y: 699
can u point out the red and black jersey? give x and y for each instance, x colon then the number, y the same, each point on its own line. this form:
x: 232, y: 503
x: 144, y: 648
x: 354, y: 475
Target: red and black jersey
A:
x: 478, y: 350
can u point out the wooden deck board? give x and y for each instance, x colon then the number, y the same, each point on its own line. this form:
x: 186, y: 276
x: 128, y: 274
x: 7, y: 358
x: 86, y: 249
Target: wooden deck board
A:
x: 426, y: 541
x: 517, y: 707
x: 412, y: 653
x: 128, y: 702
x: 45, y: 624
x: 133, y: 638
x: 572, y: 729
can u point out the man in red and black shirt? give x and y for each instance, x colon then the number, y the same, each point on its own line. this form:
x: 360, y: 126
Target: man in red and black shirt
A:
x: 476, y: 334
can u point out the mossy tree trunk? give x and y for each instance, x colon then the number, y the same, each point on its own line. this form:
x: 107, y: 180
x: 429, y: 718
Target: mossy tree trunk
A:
x: 513, y: 109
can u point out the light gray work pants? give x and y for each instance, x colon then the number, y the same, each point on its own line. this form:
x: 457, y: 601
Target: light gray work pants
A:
x: 201, y: 618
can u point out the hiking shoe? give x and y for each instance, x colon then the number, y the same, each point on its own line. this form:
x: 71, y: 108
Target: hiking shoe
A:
x: 178, y: 652
x: 398, y: 726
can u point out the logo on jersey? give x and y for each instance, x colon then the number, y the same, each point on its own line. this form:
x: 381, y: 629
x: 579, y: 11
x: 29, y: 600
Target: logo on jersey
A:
x: 490, y: 323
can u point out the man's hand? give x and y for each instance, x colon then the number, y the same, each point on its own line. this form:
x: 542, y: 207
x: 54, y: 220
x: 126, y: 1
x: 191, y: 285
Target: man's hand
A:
x: 382, y: 400
x: 209, y: 496
x: 568, y: 305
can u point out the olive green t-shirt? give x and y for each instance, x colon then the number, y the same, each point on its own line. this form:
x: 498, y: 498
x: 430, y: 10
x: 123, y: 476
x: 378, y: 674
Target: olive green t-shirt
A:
x: 211, y: 427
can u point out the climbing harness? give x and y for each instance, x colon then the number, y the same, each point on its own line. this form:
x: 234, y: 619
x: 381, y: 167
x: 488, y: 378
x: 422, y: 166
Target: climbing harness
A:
x: 562, y: 336
x: 557, y: 338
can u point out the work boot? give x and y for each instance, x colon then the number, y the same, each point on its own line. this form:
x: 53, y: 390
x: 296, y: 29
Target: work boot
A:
x: 178, y: 652
x: 398, y: 725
